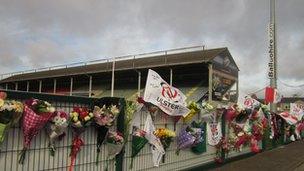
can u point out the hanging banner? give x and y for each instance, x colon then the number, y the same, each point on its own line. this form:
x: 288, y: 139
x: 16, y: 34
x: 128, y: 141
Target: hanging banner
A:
x: 168, y: 98
x: 296, y: 109
x: 214, y: 133
x: 289, y: 118
x: 251, y: 103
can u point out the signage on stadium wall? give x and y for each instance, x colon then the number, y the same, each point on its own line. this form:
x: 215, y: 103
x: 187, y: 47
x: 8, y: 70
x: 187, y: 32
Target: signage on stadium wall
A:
x: 225, y: 64
x: 221, y: 84
x: 271, y: 52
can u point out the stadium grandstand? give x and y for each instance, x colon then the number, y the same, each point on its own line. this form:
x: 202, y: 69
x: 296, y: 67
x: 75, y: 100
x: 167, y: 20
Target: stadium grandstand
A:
x: 196, y: 71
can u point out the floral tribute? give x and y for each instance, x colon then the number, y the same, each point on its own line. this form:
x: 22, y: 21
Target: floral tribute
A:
x: 187, y: 138
x: 10, y: 113
x: 36, y: 115
x: 104, y: 118
x: 56, y: 129
x: 138, y: 142
x: 115, y: 143
x: 165, y: 135
x: 80, y: 118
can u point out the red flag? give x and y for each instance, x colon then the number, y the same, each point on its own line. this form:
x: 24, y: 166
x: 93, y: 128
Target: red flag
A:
x: 270, y: 95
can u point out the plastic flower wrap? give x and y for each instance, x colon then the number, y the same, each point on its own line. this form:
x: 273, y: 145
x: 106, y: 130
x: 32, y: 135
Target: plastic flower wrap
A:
x: 185, y: 139
x: 80, y: 118
x: 200, y: 146
x: 56, y: 129
x: 194, y: 109
x: 165, y: 135
x: 104, y: 118
x: 115, y: 143
x: 138, y: 142
x: 36, y: 115
x: 10, y: 113
x: 207, y: 107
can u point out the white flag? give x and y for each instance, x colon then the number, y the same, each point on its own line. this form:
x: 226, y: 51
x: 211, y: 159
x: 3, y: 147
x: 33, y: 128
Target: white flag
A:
x: 297, y: 110
x: 156, y: 146
x: 168, y: 98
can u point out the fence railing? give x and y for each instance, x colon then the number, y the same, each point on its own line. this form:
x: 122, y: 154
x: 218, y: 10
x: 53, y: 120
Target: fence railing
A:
x: 38, y: 157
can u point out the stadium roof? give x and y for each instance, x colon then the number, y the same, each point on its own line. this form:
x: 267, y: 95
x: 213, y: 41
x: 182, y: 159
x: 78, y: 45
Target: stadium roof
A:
x: 149, y: 60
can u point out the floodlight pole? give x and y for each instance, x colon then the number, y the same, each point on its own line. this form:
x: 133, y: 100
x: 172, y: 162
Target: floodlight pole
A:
x: 272, y: 72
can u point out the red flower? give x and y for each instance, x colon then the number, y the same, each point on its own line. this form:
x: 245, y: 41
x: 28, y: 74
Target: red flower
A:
x: 218, y: 160
x: 63, y: 115
x: 83, y: 114
x: 140, y: 100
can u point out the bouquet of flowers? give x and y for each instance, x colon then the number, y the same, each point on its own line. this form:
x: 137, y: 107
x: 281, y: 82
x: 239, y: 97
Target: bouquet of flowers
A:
x: 10, y: 113
x: 36, y: 114
x: 185, y: 139
x: 104, y: 118
x: 165, y: 135
x: 222, y: 146
x: 115, y: 143
x: 56, y: 129
x: 80, y: 119
x: 138, y: 142
x: 194, y: 109
x: 200, y: 146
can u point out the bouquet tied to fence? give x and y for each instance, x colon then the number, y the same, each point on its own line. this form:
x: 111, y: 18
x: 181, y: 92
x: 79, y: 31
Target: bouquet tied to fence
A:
x: 115, y: 143
x: 10, y: 113
x: 56, y: 129
x: 36, y: 114
x: 104, y: 118
x: 80, y: 119
x: 138, y: 142
x: 165, y: 135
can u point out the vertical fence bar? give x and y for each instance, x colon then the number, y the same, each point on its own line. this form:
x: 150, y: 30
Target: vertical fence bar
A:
x: 120, y: 127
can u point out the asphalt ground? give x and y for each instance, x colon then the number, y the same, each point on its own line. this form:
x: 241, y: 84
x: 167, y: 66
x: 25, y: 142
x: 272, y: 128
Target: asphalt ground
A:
x: 285, y: 158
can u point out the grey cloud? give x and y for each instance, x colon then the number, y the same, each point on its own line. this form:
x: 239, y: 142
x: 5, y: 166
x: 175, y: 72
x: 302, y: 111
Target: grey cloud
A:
x: 42, y: 33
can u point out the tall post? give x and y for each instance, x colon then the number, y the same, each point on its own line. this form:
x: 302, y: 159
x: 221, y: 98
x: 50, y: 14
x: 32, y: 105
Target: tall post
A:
x: 40, y: 86
x: 6, y: 86
x: 272, y: 72
x: 55, y: 86
x: 171, y: 76
x: 113, y: 78
x: 210, y: 73
x: 90, y: 86
x: 139, y: 82
x: 71, y: 87
x: 27, y: 86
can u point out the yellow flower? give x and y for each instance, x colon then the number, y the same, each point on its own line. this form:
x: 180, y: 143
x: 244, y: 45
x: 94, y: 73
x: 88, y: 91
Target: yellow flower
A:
x: 87, y: 118
x: 1, y: 102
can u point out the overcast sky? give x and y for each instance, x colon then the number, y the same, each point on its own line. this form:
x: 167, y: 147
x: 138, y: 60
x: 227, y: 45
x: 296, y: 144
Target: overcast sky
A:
x: 37, y: 33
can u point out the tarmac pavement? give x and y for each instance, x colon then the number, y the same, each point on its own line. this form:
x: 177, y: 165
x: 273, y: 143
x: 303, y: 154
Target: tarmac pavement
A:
x: 285, y: 158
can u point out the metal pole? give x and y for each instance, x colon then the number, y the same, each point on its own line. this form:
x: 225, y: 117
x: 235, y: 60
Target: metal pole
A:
x: 16, y: 86
x: 139, y: 82
x: 90, y: 86
x: 113, y: 79
x: 272, y: 53
x: 171, y: 76
x: 27, y: 86
x: 71, y: 87
x: 6, y: 86
x: 40, y: 86
x: 210, y: 82
x: 55, y: 86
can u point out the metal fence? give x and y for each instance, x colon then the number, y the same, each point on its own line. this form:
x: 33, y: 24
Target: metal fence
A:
x: 39, y: 158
